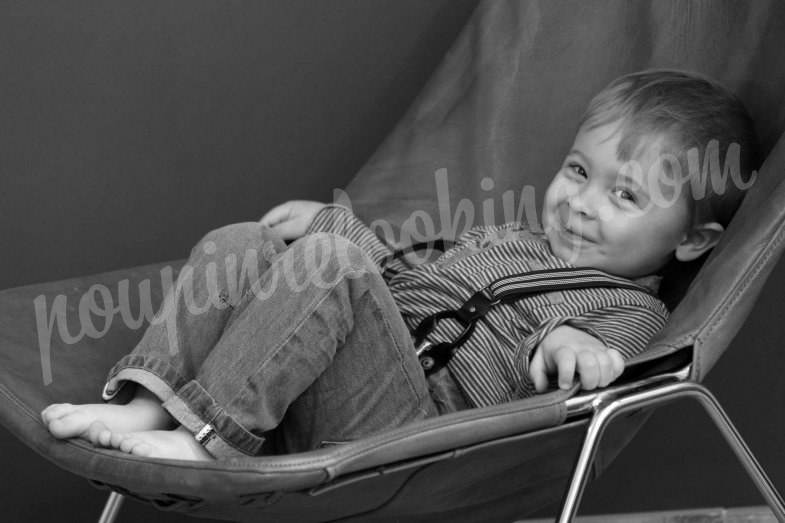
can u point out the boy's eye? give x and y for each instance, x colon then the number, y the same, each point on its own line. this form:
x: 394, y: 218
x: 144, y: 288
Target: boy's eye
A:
x: 624, y: 194
x: 577, y: 169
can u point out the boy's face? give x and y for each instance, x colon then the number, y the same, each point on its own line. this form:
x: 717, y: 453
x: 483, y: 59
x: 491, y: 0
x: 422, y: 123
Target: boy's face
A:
x: 624, y: 218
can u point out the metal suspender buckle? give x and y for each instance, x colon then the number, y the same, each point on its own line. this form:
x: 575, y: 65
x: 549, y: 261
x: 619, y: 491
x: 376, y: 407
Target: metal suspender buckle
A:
x: 434, y: 356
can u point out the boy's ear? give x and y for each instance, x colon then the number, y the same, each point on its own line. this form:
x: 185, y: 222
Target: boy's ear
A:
x: 699, y: 240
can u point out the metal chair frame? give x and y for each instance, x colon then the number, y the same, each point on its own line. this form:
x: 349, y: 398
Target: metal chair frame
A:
x: 602, y: 408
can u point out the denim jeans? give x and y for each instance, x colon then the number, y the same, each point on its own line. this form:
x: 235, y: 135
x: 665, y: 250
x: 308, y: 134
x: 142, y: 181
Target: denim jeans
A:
x: 301, y: 345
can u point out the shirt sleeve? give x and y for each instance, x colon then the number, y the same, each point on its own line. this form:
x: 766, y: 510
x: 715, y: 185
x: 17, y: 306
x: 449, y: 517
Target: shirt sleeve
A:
x: 626, y: 328
x: 339, y: 220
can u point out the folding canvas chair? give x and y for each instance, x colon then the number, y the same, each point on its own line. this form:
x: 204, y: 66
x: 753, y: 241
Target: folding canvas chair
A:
x: 503, y: 105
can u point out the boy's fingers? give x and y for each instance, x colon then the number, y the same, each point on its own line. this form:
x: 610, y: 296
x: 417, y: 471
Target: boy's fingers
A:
x: 589, y: 370
x: 275, y: 215
x: 618, y: 362
x: 289, y: 229
x: 537, y: 372
x: 564, y: 358
x: 605, y: 364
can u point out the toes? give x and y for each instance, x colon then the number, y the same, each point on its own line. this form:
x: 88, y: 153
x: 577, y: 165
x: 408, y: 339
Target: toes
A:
x: 56, y: 411
x: 145, y: 450
x: 101, y: 436
x: 104, y: 439
x: 127, y: 445
x: 116, y: 438
x: 68, y: 426
x: 95, y: 432
x: 45, y: 414
x: 137, y: 447
x: 175, y: 444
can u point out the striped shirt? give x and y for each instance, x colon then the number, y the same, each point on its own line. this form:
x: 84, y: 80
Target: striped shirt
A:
x: 492, y: 366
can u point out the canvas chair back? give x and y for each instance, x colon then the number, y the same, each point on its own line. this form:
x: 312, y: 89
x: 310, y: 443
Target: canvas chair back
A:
x: 501, y: 112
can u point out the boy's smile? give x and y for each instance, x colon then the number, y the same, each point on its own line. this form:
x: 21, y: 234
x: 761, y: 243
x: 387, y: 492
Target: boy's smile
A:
x: 626, y: 218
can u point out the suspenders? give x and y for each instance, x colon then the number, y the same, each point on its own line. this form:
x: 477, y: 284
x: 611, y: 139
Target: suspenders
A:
x: 434, y: 356
x: 508, y: 289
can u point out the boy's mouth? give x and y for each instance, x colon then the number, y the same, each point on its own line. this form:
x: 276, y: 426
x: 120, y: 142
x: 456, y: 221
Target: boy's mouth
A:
x: 570, y: 227
x: 575, y: 237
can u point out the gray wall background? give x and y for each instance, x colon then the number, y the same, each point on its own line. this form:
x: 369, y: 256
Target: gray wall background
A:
x: 128, y: 129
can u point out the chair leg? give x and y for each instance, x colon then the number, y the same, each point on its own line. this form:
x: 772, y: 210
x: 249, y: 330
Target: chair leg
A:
x: 112, y: 508
x: 580, y: 474
x: 743, y: 453
x: 621, y: 402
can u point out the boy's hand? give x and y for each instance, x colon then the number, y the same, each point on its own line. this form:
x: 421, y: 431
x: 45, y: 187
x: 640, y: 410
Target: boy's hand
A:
x: 291, y: 219
x: 565, y: 351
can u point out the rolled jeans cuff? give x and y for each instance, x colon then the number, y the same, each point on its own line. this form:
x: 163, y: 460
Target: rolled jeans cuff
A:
x: 154, y: 374
x: 188, y: 403
x: 196, y: 410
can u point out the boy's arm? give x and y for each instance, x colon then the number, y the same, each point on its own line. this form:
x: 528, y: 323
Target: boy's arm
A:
x: 299, y: 217
x: 567, y: 351
x: 593, y: 345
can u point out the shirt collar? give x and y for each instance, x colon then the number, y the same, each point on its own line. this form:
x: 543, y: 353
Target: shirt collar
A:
x: 651, y: 282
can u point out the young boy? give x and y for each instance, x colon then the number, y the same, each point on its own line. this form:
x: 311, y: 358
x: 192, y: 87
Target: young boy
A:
x: 294, y: 348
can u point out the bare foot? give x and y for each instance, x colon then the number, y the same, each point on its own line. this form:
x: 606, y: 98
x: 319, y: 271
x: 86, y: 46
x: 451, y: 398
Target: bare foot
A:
x: 144, y: 412
x: 171, y: 444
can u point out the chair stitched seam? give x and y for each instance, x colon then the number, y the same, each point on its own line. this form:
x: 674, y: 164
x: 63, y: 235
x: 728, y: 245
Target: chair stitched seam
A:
x: 348, y: 453
x: 739, y: 290
x: 408, y: 438
x: 326, y: 474
x: 23, y: 407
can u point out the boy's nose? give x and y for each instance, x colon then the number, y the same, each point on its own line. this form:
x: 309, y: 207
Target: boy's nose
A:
x: 583, y: 203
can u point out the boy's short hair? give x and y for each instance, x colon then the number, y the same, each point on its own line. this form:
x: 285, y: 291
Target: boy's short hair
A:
x: 691, y: 113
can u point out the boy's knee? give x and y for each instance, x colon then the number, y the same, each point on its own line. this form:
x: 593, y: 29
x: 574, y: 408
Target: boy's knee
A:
x: 327, y: 239
x: 329, y: 243
x: 326, y: 249
x: 239, y: 237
